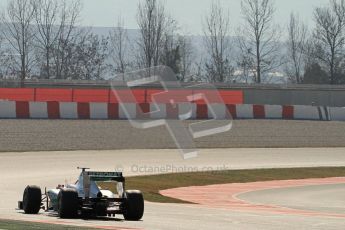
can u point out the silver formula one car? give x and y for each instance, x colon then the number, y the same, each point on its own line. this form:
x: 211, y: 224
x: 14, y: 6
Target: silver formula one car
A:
x: 85, y: 198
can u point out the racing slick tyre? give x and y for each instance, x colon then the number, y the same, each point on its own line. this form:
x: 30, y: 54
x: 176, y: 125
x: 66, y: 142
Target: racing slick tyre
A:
x: 134, y: 205
x: 32, y: 199
x: 68, y: 203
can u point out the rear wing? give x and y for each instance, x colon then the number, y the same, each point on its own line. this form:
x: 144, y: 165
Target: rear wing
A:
x: 106, y: 176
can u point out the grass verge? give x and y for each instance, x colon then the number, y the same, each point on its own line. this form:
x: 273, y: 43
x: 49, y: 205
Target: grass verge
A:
x: 20, y: 225
x: 151, y: 185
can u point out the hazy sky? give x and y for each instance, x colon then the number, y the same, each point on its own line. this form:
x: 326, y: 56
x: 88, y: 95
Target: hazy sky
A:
x: 188, y: 13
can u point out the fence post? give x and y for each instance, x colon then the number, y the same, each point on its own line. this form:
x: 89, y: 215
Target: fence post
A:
x: 193, y: 97
x: 35, y: 94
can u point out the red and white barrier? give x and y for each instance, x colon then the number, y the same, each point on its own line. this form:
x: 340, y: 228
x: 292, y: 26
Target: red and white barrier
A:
x: 8, y: 109
x: 79, y: 110
x: 306, y: 113
x: 337, y: 114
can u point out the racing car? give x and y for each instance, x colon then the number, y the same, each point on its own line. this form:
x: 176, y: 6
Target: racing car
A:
x: 86, y: 198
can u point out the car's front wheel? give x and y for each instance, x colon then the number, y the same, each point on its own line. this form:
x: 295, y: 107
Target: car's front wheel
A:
x: 32, y: 199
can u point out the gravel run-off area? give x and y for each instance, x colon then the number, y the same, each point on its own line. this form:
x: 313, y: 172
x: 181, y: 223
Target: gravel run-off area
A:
x: 58, y: 135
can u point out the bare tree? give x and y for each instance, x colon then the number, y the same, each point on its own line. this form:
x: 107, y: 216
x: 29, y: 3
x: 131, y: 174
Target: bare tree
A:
x: 170, y: 53
x: 217, y: 41
x: 18, y: 31
x: 260, y: 36
x: 7, y: 68
x: 48, y: 31
x: 87, y: 57
x: 246, y: 64
x: 120, y: 48
x: 151, y: 19
x: 68, y: 33
x: 176, y: 50
x: 186, y: 57
x: 296, y: 48
x: 329, y: 35
x: 198, y: 71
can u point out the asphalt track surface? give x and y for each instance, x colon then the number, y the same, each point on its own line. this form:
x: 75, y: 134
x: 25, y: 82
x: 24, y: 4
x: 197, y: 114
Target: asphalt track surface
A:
x: 52, y: 168
x: 28, y: 158
x: 326, y: 198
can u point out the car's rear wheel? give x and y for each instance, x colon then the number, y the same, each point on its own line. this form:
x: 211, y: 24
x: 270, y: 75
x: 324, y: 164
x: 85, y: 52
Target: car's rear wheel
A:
x: 134, y: 205
x: 68, y: 203
x: 32, y: 199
